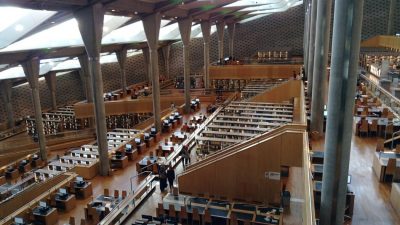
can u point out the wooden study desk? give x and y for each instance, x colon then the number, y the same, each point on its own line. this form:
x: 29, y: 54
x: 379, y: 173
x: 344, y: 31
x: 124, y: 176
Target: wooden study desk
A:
x: 48, y: 218
x: 65, y: 204
x: 119, y: 162
x: 149, y: 141
x: 83, y: 191
x: 12, y: 174
x: 60, y: 166
x: 2, y: 180
x: 132, y: 155
x: 141, y: 148
x: 380, y: 162
x: 395, y: 196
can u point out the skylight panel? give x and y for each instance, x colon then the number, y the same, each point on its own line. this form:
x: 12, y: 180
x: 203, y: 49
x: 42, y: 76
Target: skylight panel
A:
x: 16, y: 22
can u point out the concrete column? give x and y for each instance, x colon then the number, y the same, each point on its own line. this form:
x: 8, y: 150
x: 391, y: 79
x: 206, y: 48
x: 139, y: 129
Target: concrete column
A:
x: 323, y: 29
x: 90, y: 20
x: 121, y: 56
x: 51, y: 81
x: 146, y: 58
x: 31, y: 69
x: 342, y: 86
x: 6, y: 94
x: 392, y: 11
x: 185, y: 28
x: 220, y: 32
x: 307, y: 7
x: 231, y: 33
x: 86, y: 78
x: 151, y: 26
x: 166, y: 55
x: 311, y: 46
x: 206, y: 30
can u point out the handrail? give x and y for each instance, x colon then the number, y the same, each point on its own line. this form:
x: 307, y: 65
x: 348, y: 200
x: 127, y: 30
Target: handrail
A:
x: 394, y: 133
x: 127, y: 205
x: 137, y: 175
x: 308, y: 206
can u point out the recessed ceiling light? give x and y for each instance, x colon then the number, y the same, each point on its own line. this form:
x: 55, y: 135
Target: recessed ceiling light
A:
x: 53, y: 22
x: 19, y: 27
x: 112, y: 10
x: 136, y: 13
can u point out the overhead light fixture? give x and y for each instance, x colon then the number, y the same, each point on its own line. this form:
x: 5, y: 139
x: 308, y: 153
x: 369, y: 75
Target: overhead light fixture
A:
x: 136, y: 13
x: 112, y: 10
x: 53, y: 22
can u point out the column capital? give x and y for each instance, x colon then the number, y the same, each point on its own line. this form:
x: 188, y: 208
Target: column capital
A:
x: 31, y: 70
x: 206, y: 30
x: 151, y: 25
x: 185, y: 28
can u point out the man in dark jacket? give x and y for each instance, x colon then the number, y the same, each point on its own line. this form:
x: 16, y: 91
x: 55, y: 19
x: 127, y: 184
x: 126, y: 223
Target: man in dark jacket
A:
x: 170, y: 177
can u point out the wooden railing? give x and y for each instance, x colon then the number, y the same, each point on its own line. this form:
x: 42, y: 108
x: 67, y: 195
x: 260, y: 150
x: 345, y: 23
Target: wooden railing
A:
x: 382, y: 41
x: 308, y: 205
x: 30, y: 197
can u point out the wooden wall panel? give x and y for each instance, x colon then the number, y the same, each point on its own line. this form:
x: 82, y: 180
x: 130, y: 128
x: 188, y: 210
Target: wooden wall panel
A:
x: 291, y: 150
x: 241, y: 175
x: 144, y: 105
x: 283, y: 92
x: 253, y: 71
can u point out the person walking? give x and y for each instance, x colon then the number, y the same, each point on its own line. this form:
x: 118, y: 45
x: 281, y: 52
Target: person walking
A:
x: 163, y: 178
x: 170, y: 177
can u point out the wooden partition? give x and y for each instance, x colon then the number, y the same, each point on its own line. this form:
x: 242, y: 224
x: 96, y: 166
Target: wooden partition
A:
x: 284, y: 92
x: 142, y: 105
x: 29, y: 198
x: 253, y: 71
x: 245, y: 172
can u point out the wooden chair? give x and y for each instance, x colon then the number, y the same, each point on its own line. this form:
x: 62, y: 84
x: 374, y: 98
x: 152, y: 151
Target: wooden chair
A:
x: 106, y: 192
x: 83, y: 222
x: 183, y: 215
x: 233, y: 219
x: 124, y: 194
x: 385, y: 112
x: 207, y: 217
x: 138, y: 168
x: 397, y: 150
x: 171, y: 211
x: 363, y: 128
x: 71, y: 220
x: 390, y: 168
x: 160, y: 210
x: 389, y: 131
x: 380, y: 145
x: 195, y: 216
x: 116, y: 194
x: 155, y: 168
x: 373, y: 128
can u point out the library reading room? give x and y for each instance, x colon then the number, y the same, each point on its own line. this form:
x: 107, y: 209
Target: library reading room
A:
x: 217, y: 112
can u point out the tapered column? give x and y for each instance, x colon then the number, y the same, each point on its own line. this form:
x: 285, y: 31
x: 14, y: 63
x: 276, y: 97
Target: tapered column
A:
x: 31, y: 69
x: 392, y: 11
x: 121, y: 56
x: 342, y: 86
x: 231, y: 33
x: 51, y: 84
x: 320, y: 63
x: 86, y: 78
x: 146, y: 58
x: 151, y: 26
x: 311, y: 46
x: 90, y: 21
x: 166, y: 55
x: 185, y: 28
x: 220, y: 31
x: 206, y: 30
x: 6, y: 94
x: 307, y: 6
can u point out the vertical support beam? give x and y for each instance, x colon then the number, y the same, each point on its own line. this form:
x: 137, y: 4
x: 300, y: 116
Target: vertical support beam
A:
x: 90, y: 22
x: 220, y: 32
x: 6, y: 94
x: 311, y: 46
x: 151, y: 26
x: 146, y: 58
x: 121, y: 56
x: 307, y: 6
x: 231, y: 33
x: 31, y: 69
x: 206, y: 30
x: 320, y: 63
x: 51, y: 81
x: 166, y: 55
x: 342, y: 86
x: 392, y: 11
x: 185, y: 28
x: 85, y: 77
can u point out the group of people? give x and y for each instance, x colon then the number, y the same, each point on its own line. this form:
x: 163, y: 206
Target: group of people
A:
x: 166, y: 174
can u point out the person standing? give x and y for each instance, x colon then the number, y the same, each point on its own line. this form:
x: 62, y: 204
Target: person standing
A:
x: 170, y: 177
x: 163, y: 178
